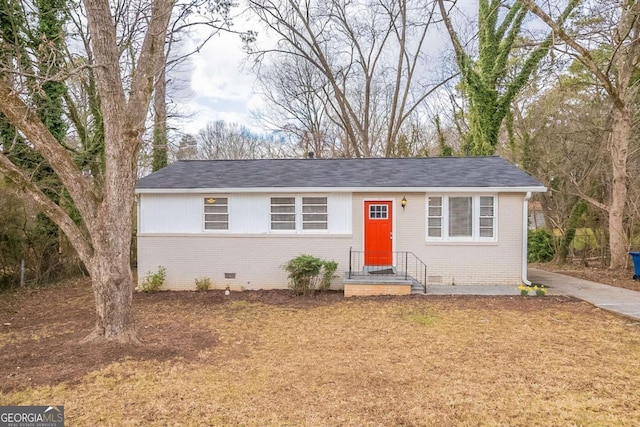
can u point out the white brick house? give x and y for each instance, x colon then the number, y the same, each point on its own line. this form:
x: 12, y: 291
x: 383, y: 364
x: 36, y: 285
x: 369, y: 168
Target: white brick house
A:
x: 238, y: 221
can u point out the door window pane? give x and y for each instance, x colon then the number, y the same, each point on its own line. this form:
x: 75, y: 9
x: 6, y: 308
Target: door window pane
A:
x: 378, y: 212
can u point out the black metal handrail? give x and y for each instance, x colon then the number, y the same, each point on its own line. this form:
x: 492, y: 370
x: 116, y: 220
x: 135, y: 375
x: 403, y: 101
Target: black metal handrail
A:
x: 400, y: 264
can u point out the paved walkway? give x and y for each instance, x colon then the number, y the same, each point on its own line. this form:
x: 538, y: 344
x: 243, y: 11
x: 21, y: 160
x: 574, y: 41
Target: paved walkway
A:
x: 617, y: 300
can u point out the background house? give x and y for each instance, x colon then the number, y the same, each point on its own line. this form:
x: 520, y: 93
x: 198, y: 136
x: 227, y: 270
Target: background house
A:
x: 239, y: 221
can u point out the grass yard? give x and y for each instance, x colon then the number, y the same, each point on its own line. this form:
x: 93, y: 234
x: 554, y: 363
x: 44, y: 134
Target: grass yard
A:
x: 266, y: 358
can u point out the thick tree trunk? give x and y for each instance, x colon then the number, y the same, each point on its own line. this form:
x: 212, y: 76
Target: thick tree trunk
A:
x: 620, y: 136
x: 112, y: 291
x: 110, y: 266
x: 124, y: 123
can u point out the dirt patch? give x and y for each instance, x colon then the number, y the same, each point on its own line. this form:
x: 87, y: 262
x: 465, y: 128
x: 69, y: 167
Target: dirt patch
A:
x: 268, y: 358
x: 42, y: 328
x: 622, y: 278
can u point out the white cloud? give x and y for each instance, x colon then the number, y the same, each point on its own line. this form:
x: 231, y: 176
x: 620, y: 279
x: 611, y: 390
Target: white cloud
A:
x: 217, y: 70
x: 221, y: 88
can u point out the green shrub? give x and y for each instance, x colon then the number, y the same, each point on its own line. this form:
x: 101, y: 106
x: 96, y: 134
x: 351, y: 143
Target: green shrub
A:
x: 541, y: 248
x: 308, y: 273
x: 328, y: 273
x: 153, y: 281
x: 203, y: 284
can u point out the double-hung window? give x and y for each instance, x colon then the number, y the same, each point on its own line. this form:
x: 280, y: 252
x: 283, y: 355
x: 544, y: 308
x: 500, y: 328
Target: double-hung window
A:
x: 461, y: 218
x: 434, y: 217
x: 216, y: 213
x: 487, y: 217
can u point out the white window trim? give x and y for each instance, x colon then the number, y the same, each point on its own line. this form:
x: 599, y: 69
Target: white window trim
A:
x: 475, y: 219
x: 493, y: 238
x: 441, y: 217
x: 298, y: 213
x: 296, y: 207
x: 217, y: 196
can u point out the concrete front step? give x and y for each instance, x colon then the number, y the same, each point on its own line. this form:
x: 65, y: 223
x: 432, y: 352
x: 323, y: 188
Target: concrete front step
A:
x: 368, y: 285
x: 418, y: 290
x: 387, y: 284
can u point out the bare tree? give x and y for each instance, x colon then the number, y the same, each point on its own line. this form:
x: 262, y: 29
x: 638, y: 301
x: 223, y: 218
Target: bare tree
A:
x: 103, y: 240
x: 296, y: 93
x: 369, y: 55
x: 221, y: 140
x: 187, y: 148
x: 212, y: 14
x: 614, y: 66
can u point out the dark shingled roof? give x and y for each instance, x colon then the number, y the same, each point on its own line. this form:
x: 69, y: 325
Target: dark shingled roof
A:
x: 371, y: 172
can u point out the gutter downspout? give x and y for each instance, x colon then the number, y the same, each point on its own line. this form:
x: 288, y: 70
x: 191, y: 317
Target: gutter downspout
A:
x: 525, y: 235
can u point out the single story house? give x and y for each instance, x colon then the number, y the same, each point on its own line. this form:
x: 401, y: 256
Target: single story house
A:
x: 445, y: 220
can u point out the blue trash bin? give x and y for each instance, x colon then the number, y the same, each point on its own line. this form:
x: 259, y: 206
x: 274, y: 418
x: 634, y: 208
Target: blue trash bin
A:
x: 636, y: 264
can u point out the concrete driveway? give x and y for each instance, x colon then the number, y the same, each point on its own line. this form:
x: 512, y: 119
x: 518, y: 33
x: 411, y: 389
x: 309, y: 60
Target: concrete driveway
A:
x: 617, y: 300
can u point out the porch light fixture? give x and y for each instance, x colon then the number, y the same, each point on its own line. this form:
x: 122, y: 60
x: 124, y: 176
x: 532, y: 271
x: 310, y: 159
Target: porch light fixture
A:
x: 403, y: 202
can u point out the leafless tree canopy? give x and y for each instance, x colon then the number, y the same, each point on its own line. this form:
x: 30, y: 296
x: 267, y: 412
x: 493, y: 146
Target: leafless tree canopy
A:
x: 346, y: 76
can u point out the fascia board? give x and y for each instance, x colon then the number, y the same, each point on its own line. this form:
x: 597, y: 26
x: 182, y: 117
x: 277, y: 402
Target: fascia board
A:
x: 342, y: 190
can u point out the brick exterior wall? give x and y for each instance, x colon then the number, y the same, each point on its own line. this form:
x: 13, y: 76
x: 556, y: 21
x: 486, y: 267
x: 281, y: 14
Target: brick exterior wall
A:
x: 257, y: 259
x: 461, y: 263
x: 372, y: 289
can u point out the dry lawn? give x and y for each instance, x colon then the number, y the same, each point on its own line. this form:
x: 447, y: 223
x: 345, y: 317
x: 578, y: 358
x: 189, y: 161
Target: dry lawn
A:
x: 266, y: 358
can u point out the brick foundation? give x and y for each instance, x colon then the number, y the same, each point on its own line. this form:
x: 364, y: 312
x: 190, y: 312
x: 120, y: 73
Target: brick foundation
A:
x: 369, y: 289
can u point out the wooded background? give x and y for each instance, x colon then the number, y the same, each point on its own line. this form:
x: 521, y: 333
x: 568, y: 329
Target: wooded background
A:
x: 86, y: 90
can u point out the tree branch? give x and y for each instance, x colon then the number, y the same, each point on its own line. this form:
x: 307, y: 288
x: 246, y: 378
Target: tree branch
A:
x: 585, y: 56
x: 470, y: 76
x: 21, y: 116
x: 52, y: 210
x: 588, y: 199
x: 148, y: 63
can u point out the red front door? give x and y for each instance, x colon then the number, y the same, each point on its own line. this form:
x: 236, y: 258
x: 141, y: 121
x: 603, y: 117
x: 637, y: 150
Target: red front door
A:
x: 378, y: 231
